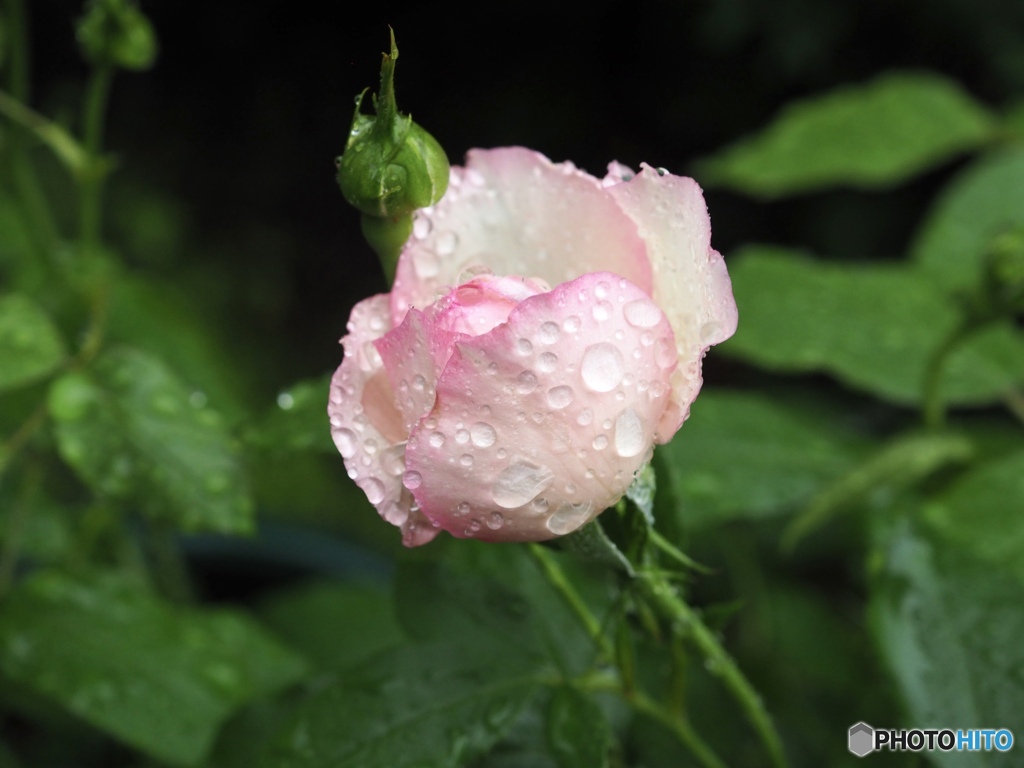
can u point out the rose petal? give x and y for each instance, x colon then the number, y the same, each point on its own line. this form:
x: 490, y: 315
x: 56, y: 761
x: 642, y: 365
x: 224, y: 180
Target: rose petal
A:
x: 515, y: 212
x: 366, y: 426
x: 544, y: 420
x: 691, y: 285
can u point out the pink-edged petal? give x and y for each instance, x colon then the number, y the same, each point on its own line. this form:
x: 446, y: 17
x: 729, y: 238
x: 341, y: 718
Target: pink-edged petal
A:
x: 515, y: 212
x: 691, y: 283
x: 366, y: 426
x: 540, y: 424
x: 617, y: 173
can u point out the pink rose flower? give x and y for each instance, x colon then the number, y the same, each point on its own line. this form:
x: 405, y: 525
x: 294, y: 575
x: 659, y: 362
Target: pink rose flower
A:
x: 545, y: 330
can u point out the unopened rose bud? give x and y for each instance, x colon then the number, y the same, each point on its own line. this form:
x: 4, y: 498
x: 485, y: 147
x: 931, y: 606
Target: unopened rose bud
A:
x: 116, y: 32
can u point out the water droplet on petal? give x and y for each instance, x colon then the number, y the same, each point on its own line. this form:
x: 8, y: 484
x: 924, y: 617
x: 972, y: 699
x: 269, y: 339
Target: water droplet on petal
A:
x: 560, y: 397
x: 346, y: 441
x: 665, y: 353
x: 412, y: 480
x: 519, y: 483
x: 572, y: 324
x: 568, y: 517
x: 602, y: 311
x: 425, y: 263
x: 495, y: 520
x: 446, y: 243
x: 642, y: 313
x: 602, y: 367
x: 600, y: 443
x: 585, y: 417
x: 421, y: 227
x: 548, y: 333
x: 393, y: 460
x: 462, y: 436
x: 526, y: 382
x: 396, y: 514
x: 373, y: 488
x: 482, y: 434
x: 547, y: 362
x: 710, y: 331
x: 524, y: 347
x: 436, y: 439
x: 466, y: 460
x: 629, y: 434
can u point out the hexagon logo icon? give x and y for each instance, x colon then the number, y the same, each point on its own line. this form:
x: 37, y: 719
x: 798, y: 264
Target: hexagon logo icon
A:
x: 861, y: 739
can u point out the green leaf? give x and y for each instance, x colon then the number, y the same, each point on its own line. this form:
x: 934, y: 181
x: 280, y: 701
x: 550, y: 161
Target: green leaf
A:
x: 338, y: 626
x: 898, y: 465
x: 420, y: 706
x: 591, y: 543
x: 871, y: 136
x: 980, y: 203
x: 981, y: 512
x: 949, y: 626
x: 744, y: 455
x: 578, y: 731
x: 874, y: 327
x: 30, y: 344
x: 158, y: 678
x: 498, y: 597
x: 642, y: 492
x: 130, y: 430
x: 297, y: 421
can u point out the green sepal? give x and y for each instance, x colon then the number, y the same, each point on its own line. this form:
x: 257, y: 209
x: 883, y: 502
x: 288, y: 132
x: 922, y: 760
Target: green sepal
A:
x: 391, y: 166
x: 386, y: 235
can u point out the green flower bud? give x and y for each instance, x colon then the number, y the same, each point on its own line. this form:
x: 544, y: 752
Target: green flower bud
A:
x: 116, y: 32
x: 391, y: 166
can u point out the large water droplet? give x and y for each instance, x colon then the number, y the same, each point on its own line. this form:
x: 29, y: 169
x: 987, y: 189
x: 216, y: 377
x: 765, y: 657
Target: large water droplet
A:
x: 373, y: 488
x: 568, y: 517
x: 436, y: 439
x: 547, y: 362
x: 642, y: 313
x: 524, y: 347
x: 602, y: 367
x: 446, y: 243
x: 495, y: 520
x: 629, y: 434
x: 560, y: 397
x: 346, y: 441
x: 572, y: 323
x: 396, y: 514
x: 519, y: 483
x: 482, y: 434
x: 412, y: 480
x: 421, y: 226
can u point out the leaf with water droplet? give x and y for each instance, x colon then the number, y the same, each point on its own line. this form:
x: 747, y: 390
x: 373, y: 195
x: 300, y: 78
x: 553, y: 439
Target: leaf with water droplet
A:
x: 301, y: 425
x: 30, y: 344
x: 127, y: 427
x: 157, y: 678
x: 591, y: 543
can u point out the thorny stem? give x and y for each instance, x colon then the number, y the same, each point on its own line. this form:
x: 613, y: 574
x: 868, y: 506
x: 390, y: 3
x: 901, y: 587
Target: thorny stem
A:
x: 661, y: 595
x: 637, y: 700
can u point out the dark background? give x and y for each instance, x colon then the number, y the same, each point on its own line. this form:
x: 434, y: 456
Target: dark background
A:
x: 226, y: 182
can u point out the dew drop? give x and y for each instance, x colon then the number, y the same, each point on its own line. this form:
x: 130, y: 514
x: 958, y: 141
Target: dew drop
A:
x: 446, y: 243
x: 602, y: 367
x: 482, y: 434
x: 412, y: 480
x: 526, y: 382
x: 466, y: 460
x: 548, y: 333
x: 572, y: 324
x: 642, y: 313
x: 421, y: 227
x: 462, y: 436
x: 373, y: 488
x: 602, y: 289
x: 396, y: 514
x: 462, y: 509
x: 523, y: 347
x: 568, y: 517
x: 425, y: 263
x: 436, y: 439
x: 710, y: 331
x: 600, y: 443
x: 346, y: 441
x: 560, y: 397
x: 547, y: 362
x: 541, y: 504
x: 585, y: 417
x: 665, y: 353
x: 495, y: 520
x: 602, y: 311
x: 393, y: 460
x: 519, y: 483
x: 629, y: 434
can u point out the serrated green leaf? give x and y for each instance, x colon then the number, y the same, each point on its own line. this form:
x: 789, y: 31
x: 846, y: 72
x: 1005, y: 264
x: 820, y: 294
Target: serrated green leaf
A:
x: 874, y: 327
x: 297, y: 421
x: 744, y: 455
x: 30, y: 344
x: 980, y: 203
x: 338, y: 626
x: 898, y: 465
x: 949, y: 626
x: 129, y: 429
x: 578, y: 731
x: 982, y: 513
x: 872, y: 135
x: 422, y: 706
x: 158, y: 678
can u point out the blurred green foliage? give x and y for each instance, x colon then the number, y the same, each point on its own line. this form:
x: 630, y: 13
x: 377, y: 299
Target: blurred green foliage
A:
x: 850, y: 484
